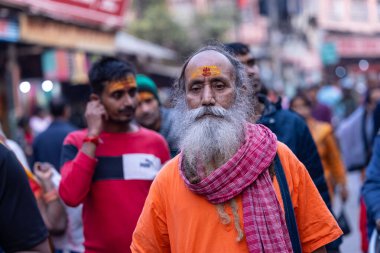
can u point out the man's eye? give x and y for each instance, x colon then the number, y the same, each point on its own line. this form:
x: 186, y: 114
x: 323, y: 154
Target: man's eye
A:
x: 117, y: 94
x: 132, y: 92
x: 149, y: 100
x: 195, y: 88
x: 251, y: 62
x: 219, y: 85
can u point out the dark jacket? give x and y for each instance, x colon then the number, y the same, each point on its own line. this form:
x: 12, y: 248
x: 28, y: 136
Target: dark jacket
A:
x: 371, y: 187
x: 292, y: 130
x: 47, y: 146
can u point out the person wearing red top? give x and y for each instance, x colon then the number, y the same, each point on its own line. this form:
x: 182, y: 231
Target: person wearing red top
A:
x: 110, y: 166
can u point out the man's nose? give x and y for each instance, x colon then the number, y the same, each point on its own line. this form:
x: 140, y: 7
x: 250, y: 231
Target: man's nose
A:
x: 144, y: 107
x: 128, y: 100
x: 207, y: 96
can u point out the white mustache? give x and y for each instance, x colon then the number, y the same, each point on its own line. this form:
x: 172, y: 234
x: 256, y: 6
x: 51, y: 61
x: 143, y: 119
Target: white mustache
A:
x: 216, y: 111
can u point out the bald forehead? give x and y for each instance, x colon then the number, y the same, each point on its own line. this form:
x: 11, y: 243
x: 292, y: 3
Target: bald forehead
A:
x: 209, y: 58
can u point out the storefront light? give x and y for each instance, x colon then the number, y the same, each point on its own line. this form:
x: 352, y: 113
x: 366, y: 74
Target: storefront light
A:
x: 363, y: 65
x: 24, y: 87
x: 340, y: 71
x: 47, y: 85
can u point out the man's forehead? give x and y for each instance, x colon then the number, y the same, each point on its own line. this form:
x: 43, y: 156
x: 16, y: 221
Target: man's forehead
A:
x: 208, y: 58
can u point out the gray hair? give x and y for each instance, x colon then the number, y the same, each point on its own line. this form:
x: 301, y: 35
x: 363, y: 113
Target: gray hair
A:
x: 241, y: 78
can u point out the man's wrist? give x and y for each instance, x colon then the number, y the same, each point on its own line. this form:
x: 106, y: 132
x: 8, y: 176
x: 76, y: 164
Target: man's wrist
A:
x: 92, y: 139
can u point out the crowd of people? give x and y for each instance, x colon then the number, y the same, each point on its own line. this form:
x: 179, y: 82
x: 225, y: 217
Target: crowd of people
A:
x: 226, y: 169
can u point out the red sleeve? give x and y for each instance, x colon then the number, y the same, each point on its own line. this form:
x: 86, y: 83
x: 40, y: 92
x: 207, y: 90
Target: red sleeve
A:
x: 151, y: 233
x: 76, y: 176
x: 164, y: 151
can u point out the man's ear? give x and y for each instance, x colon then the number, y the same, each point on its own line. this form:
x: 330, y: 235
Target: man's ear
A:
x: 94, y: 97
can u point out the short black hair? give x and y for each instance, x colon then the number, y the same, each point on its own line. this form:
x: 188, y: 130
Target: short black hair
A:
x: 108, y: 69
x: 237, y: 48
x: 57, y: 106
x: 301, y: 96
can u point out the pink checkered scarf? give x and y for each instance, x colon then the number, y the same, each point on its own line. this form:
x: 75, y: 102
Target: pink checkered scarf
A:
x: 247, y: 173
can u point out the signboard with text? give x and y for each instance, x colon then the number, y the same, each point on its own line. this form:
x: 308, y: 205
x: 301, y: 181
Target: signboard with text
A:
x: 9, y: 30
x: 356, y: 46
x: 108, y: 13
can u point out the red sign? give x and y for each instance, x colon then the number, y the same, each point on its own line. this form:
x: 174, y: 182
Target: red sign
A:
x: 356, y: 46
x: 109, y: 13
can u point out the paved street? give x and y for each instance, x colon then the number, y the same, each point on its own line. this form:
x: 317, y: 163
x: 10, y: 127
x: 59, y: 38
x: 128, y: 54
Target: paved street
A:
x: 351, y: 242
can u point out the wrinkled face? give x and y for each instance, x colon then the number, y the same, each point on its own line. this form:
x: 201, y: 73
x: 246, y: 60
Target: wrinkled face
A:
x: 148, y: 110
x: 301, y: 108
x: 209, y: 81
x: 119, y: 99
x: 251, y: 69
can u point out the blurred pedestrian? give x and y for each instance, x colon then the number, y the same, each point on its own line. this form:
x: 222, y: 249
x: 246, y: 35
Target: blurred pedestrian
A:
x: 288, y: 126
x: 47, y: 146
x: 323, y: 135
x: 40, y: 120
x: 24, y: 137
x: 21, y: 226
x: 355, y: 135
x: 109, y: 166
x: 64, y: 223
x: 349, y: 101
x: 15, y: 147
x: 320, y: 111
x: 371, y: 188
x: 51, y: 208
x: 150, y: 113
x: 223, y: 176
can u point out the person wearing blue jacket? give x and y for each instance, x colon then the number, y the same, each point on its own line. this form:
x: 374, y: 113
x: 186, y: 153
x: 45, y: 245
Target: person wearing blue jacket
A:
x: 289, y: 127
x: 292, y: 130
x: 371, y: 188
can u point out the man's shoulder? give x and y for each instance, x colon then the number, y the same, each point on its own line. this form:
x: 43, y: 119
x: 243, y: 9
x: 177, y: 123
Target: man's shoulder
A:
x: 289, y: 161
x: 169, y: 172
x: 284, y: 150
x: 150, y: 135
x: 78, y: 133
x: 290, y: 116
x: 75, y: 136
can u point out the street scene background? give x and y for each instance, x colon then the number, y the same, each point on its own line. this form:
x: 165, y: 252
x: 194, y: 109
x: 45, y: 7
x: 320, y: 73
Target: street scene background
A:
x: 48, y: 46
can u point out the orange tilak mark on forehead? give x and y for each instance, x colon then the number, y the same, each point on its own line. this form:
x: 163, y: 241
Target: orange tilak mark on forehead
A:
x: 144, y: 95
x: 131, y: 81
x: 126, y: 83
x: 206, y: 71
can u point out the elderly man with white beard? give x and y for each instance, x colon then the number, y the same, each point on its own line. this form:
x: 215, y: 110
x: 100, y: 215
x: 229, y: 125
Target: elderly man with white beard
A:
x: 222, y: 192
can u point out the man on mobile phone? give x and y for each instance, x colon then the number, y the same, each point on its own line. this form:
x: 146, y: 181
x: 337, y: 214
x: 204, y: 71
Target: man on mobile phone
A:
x: 110, y: 166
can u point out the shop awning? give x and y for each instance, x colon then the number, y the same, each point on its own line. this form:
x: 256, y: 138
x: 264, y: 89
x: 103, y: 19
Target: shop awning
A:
x: 126, y: 43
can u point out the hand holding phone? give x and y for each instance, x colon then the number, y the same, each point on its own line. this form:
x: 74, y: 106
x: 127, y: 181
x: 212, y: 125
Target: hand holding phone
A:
x: 95, y: 113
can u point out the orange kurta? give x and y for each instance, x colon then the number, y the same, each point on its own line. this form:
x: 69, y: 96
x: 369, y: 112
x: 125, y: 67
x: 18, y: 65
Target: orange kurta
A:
x: 323, y: 135
x: 174, y: 219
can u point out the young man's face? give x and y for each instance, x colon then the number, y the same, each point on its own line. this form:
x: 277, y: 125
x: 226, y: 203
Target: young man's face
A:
x: 251, y: 69
x: 119, y: 99
x: 148, y: 110
x: 209, y: 81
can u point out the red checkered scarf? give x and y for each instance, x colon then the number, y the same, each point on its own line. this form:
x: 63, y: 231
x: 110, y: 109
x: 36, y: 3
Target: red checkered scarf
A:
x: 247, y: 173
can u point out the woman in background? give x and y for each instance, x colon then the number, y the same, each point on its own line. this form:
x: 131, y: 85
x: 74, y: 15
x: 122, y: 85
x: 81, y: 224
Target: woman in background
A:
x: 323, y: 135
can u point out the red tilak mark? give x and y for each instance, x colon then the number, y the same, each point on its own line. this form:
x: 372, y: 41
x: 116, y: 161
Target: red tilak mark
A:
x: 206, y: 71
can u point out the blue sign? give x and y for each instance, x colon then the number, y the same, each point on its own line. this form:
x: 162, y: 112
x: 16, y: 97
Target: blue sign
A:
x: 9, y: 31
x: 329, y: 54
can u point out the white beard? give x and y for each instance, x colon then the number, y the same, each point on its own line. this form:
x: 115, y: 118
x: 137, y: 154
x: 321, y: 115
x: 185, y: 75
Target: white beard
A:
x: 210, y: 136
